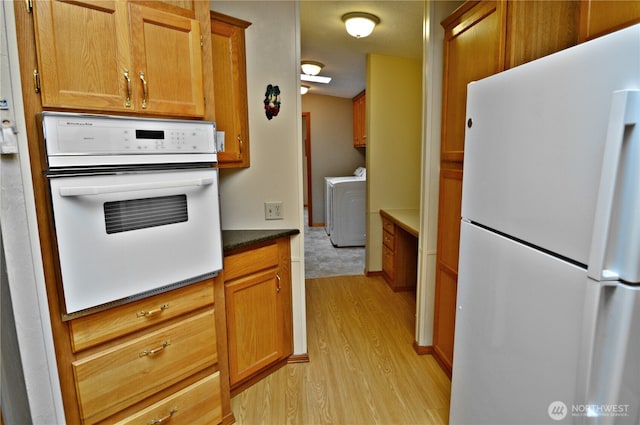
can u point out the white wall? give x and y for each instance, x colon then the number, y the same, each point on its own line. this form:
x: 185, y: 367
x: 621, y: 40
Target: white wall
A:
x: 275, y: 174
x: 31, y: 346
x: 435, y: 12
x: 332, y: 150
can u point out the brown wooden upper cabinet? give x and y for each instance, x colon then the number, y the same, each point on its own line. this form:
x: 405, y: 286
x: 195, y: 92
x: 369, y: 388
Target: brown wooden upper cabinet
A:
x: 474, y: 43
x: 230, y: 86
x: 360, y: 120
x: 599, y: 17
x: 120, y: 56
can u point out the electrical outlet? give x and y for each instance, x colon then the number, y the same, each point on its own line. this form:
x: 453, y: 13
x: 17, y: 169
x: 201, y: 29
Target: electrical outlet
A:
x: 273, y: 211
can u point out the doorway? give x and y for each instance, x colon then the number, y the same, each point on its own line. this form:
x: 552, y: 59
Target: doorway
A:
x: 306, y: 166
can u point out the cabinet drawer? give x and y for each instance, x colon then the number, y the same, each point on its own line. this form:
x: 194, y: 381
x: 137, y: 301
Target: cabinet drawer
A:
x: 198, y: 404
x: 97, y: 328
x: 388, y: 226
x: 388, y: 263
x: 244, y: 263
x: 120, y: 376
x: 388, y: 240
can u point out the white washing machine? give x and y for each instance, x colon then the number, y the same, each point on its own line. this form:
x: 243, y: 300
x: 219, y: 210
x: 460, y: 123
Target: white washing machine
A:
x: 345, y: 206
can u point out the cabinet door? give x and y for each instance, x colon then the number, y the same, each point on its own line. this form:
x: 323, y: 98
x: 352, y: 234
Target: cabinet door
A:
x: 473, y: 49
x: 230, y: 86
x: 167, y: 62
x: 83, y: 54
x: 447, y: 265
x: 254, y: 321
x: 599, y: 17
x: 537, y: 29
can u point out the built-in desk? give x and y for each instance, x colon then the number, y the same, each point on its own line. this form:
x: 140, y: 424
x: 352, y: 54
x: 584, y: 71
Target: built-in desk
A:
x: 400, y: 247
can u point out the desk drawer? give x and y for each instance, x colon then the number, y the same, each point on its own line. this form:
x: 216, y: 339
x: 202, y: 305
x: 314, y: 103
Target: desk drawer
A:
x: 198, y: 404
x: 388, y: 262
x: 388, y: 240
x: 121, y: 376
x: 388, y: 226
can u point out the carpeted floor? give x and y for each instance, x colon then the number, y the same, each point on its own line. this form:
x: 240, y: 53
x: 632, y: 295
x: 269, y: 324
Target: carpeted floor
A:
x: 322, y: 259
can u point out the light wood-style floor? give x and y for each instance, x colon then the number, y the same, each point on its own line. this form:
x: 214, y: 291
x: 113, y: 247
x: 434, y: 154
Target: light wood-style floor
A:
x: 362, y: 369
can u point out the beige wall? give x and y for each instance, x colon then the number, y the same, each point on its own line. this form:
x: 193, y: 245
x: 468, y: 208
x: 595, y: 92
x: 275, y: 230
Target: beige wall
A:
x: 394, y: 138
x: 276, y: 149
x: 332, y: 150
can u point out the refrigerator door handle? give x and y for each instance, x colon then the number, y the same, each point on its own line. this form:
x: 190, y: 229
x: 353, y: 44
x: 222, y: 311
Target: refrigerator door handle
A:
x: 614, y: 254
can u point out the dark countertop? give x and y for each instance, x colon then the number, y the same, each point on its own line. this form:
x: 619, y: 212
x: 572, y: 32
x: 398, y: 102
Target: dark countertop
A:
x: 237, y: 239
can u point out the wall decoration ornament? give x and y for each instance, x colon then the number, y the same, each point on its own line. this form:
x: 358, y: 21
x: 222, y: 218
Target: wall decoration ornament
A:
x: 272, y: 101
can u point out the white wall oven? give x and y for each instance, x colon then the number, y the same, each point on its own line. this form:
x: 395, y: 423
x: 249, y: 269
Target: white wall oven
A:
x: 135, y: 206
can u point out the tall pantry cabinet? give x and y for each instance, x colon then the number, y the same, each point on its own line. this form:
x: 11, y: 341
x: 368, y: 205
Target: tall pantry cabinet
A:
x: 481, y: 38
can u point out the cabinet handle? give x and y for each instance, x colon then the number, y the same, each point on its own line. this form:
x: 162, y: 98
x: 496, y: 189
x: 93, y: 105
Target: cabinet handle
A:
x: 145, y: 92
x: 147, y: 313
x: 155, y: 350
x: 163, y: 419
x: 36, y: 81
x: 278, y: 284
x: 127, y: 101
x: 239, y: 145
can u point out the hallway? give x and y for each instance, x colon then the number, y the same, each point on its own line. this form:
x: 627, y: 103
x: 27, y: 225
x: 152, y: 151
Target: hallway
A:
x: 362, y: 369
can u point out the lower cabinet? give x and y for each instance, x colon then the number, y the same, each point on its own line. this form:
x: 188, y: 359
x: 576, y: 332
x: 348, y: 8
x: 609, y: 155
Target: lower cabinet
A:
x: 150, y: 361
x: 259, y: 311
x: 399, y: 257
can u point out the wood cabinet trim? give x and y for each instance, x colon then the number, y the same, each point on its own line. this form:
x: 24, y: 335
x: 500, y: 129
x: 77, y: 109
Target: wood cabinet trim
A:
x: 236, y: 22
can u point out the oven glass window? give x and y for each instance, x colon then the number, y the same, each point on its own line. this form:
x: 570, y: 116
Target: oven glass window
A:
x: 134, y: 214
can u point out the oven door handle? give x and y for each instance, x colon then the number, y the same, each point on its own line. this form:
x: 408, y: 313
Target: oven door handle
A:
x: 99, y: 190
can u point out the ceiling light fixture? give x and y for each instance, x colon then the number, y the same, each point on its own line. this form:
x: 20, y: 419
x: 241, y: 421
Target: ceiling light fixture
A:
x: 360, y: 24
x: 315, y: 78
x: 311, y: 67
x: 304, y: 89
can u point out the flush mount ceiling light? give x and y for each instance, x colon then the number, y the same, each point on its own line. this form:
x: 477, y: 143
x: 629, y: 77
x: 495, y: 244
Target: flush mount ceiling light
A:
x: 360, y: 24
x: 311, y: 67
x: 315, y: 78
x: 304, y: 89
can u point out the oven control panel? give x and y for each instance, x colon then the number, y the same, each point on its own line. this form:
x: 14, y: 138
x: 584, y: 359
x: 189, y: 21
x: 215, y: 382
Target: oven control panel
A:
x: 82, y: 135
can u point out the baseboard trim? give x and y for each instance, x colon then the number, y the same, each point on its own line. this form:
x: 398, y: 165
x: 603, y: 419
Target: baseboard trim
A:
x: 422, y: 349
x: 298, y: 358
x: 444, y: 364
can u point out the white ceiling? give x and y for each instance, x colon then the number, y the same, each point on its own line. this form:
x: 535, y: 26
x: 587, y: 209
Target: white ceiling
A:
x: 323, y: 38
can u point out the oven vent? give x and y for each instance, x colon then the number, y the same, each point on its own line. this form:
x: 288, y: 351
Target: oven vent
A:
x: 135, y: 214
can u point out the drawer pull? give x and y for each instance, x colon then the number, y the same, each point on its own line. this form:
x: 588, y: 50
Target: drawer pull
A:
x: 155, y: 350
x: 147, y: 313
x: 162, y: 420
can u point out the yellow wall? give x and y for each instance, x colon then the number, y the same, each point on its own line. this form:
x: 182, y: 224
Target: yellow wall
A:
x: 394, y: 137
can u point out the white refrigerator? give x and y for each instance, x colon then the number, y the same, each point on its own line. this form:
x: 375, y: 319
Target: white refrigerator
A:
x: 548, y: 308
